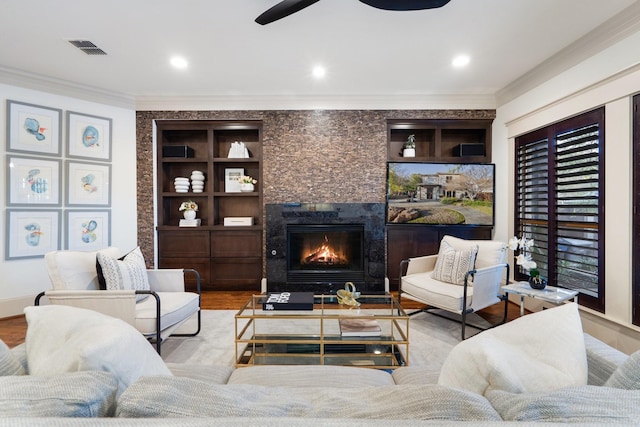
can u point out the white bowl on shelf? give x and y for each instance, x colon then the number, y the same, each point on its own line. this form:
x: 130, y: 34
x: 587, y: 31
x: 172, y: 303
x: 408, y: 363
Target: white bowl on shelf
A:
x: 182, y: 188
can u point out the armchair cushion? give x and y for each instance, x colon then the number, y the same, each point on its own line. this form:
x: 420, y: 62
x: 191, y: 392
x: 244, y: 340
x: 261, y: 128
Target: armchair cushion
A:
x: 75, y: 270
x: 452, y: 265
x: 126, y: 273
x: 55, y: 344
x: 424, y: 288
x: 490, y: 252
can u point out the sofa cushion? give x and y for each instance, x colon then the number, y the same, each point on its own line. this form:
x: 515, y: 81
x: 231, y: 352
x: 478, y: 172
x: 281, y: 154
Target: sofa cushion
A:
x: 542, y: 351
x: 627, y: 375
x: 183, y: 397
x: 586, y: 404
x: 211, y: 374
x: 126, y: 273
x: 310, y: 376
x: 9, y: 363
x: 75, y: 270
x: 68, y: 339
x: 452, y: 265
x: 78, y: 394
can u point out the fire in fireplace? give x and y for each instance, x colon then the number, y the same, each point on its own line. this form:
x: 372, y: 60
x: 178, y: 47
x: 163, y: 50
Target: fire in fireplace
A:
x: 325, y: 253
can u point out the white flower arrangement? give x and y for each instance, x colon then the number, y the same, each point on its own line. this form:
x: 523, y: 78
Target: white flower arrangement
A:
x: 188, y: 206
x: 247, y: 180
x: 524, y: 259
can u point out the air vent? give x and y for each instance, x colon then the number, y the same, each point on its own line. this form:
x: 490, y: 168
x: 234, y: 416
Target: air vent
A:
x: 87, y: 47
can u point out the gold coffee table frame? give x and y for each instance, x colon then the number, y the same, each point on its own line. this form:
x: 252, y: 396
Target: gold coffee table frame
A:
x: 312, y: 337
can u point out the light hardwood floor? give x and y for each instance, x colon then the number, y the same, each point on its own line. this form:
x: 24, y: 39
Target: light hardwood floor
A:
x: 13, y: 329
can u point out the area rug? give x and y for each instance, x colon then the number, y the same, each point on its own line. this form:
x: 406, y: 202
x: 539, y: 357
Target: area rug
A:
x: 431, y: 338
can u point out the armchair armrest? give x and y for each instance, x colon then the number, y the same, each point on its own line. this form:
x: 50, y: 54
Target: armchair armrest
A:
x: 171, y: 279
x: 119, y: 304
x: 421, y: 264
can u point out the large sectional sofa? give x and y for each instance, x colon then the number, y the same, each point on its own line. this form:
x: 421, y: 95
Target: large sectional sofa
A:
x: 197, y: 395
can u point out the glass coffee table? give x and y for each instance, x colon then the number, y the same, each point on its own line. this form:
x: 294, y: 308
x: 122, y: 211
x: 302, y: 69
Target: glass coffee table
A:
x: 313, y: 337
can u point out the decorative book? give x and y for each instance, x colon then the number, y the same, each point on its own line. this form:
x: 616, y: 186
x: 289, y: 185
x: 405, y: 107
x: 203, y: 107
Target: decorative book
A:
x: 288, y: 301
x: 358, y: 327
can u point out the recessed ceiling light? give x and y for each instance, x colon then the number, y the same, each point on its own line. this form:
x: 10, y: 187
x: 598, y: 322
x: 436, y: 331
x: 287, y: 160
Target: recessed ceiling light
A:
x: 178, y: 62
x: 461, y: 61
x: 319, y: 71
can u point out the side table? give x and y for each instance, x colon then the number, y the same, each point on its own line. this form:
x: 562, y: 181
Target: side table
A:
x: 550, y: 294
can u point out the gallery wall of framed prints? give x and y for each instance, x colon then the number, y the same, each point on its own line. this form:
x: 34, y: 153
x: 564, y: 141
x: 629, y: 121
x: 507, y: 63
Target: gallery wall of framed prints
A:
x: 58, y: 192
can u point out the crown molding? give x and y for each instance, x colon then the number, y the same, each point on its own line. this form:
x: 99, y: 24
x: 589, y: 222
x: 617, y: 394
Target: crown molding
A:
x: 621, y: 26
x: 313, y: 102
x: 65, y: 88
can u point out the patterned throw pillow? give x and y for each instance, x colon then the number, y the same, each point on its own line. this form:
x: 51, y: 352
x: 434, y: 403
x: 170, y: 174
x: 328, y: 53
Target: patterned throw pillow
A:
x: 9, y: 363
x: 451, y: 265
x: 126, y: 273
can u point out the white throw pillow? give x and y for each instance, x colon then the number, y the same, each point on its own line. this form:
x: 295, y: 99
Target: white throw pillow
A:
x: 126, y: 273
x: 452, y: 265
x: 538, y: 352
x: 69, y: 339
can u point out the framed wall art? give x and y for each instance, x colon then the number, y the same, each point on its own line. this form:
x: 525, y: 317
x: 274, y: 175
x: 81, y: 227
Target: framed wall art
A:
x: 88, y: 137
x: 88, y: 230
x: 34, y: 129
x: 33, y: 181
x: 31, y: 233
x: 88, y: 184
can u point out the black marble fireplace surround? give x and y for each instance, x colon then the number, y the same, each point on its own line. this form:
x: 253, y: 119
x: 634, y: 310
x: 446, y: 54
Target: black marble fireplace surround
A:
x: 368, y: 215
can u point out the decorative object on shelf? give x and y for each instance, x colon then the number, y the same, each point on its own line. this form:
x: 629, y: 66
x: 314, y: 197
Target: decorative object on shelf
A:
x: 246, y: 184
x: 232, y: 179
x: 409, y: 149
x: 524, y: 259
x: 348, y: 295
x: 181, y: 184
x: 238, y: 220
x: 189, y: 209
x: 238, y: 151
x: 197, y: 181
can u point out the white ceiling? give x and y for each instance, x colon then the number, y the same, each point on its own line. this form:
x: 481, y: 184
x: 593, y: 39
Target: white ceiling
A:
x: 367, y: 52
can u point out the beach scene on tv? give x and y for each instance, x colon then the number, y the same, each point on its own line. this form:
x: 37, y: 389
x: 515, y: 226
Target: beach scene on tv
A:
x: 440, y: 193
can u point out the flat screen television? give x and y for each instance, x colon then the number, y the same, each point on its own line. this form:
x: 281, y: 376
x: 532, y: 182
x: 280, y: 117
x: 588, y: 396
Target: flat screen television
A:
x: 440, y: 193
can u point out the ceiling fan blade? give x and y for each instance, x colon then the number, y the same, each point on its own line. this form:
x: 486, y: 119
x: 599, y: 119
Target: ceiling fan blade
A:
x: 405, y: 4
x: 282, y: 9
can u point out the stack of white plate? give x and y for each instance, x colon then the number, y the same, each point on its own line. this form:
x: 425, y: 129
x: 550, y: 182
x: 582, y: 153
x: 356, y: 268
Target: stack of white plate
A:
x: 181, y: 184
x: 197, y: 181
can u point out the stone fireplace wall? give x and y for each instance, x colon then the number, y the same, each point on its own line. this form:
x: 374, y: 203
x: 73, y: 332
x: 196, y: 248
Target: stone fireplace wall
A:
x: 309, y: 156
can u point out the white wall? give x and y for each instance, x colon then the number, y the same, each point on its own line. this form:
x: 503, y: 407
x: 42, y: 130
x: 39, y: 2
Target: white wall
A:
x: 609, y: 78
x: 21, y: 280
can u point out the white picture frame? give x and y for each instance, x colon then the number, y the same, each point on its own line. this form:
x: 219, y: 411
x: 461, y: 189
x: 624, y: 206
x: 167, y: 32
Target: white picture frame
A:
x: 87, y: 230
x: 31, y: 233
x: 231, y: 183
x: 34, y: 129
x: 88, y: 184
x: 88, y: 137
x: 33, y: 181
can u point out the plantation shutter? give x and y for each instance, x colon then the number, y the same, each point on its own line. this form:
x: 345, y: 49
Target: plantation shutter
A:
x: 559, y: 203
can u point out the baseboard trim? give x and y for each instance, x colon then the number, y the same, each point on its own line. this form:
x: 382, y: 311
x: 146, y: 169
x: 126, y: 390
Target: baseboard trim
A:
x: 15, y: 306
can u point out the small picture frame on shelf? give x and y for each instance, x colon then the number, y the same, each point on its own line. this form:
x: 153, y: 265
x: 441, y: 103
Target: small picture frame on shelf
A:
x: 231, y: 179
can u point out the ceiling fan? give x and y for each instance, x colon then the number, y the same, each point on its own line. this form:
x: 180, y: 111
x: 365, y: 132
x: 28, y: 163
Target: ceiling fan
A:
x: 287, y: 7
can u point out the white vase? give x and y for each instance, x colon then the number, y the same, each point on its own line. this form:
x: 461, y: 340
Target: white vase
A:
x: 246, y: 188
x: 409, y: 152
x: 189, y: 214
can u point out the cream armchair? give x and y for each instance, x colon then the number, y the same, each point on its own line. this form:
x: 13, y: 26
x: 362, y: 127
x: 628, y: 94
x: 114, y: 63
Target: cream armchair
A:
x: 463, y: 278
x: 75, y: 282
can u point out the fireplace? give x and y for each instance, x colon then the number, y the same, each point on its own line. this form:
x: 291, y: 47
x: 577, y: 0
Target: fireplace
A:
x: 317, y: 247
x: 325, y: 253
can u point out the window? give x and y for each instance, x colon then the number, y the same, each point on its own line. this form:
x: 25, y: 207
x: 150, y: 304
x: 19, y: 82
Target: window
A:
x: 559, y: 202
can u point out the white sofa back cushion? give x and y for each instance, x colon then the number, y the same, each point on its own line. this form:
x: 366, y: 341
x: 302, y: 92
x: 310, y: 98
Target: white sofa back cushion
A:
x: 75, y: 270
x: 539, y: 352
